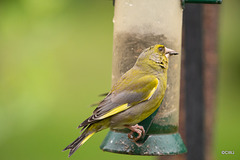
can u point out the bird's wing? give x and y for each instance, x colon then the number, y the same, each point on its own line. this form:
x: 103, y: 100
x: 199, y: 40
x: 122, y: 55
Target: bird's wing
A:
x: 123, y: 96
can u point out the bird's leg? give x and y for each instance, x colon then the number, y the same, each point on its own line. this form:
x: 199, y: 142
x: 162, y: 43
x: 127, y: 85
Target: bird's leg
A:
x: 138, y: 129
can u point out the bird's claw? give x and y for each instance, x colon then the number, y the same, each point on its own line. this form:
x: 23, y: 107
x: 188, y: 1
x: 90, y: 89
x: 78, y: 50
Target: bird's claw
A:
x: 138, y: 129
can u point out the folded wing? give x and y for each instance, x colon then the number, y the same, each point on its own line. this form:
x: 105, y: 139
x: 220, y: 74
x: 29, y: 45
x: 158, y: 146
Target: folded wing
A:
x: 123, y: 96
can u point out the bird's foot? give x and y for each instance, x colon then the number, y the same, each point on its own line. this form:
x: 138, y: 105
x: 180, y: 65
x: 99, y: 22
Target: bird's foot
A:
x: 138, y: 129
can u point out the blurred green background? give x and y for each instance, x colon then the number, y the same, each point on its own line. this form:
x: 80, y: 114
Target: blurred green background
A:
x: 55, y: 58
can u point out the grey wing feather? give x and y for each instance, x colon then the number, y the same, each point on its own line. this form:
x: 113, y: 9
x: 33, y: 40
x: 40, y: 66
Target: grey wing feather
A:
x: 110, y: 102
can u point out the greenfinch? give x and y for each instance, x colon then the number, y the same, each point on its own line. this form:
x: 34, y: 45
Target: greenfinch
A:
x: 134, y: 97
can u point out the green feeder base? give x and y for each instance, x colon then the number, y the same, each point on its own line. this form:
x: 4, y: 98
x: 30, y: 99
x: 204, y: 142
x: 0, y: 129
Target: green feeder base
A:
x: 155, y: 145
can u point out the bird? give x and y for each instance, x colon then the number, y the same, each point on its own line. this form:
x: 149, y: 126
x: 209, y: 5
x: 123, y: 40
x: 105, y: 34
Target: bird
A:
x: 134, y: 97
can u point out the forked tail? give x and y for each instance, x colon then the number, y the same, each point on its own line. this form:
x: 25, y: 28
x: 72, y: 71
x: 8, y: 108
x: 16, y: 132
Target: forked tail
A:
x: 79, y: 141
x: 87, y: 133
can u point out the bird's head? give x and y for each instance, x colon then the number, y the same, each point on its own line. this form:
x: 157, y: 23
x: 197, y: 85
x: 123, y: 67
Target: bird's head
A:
x: 156, y: 57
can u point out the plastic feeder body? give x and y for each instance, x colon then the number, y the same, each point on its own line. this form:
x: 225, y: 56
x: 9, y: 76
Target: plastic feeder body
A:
x: 139, y: 24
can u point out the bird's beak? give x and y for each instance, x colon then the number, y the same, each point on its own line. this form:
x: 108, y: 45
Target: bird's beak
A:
x: 170, y: 52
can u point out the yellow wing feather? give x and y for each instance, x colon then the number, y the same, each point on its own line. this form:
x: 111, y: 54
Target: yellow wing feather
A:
x: 156, y: 81
x: 115, y: 111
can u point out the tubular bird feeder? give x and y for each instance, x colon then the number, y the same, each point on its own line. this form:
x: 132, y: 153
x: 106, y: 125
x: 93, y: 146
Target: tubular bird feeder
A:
x: 139, y: 24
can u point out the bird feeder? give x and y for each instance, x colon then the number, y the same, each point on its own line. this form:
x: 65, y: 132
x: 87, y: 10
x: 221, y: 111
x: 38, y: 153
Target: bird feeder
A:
x: 139, y: 24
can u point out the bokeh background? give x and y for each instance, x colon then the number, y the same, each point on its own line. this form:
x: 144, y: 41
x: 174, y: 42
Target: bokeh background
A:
x: 55, y: 58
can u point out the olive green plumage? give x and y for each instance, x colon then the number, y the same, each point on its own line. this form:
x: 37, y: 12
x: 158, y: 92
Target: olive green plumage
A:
x: 135, y: 96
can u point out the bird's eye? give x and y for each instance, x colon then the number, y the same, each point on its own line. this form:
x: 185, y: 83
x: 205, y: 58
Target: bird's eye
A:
x: 160, y: 49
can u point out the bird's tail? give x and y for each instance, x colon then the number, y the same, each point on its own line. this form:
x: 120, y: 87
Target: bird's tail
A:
x: 79, y: 141
x: 87, y: 133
